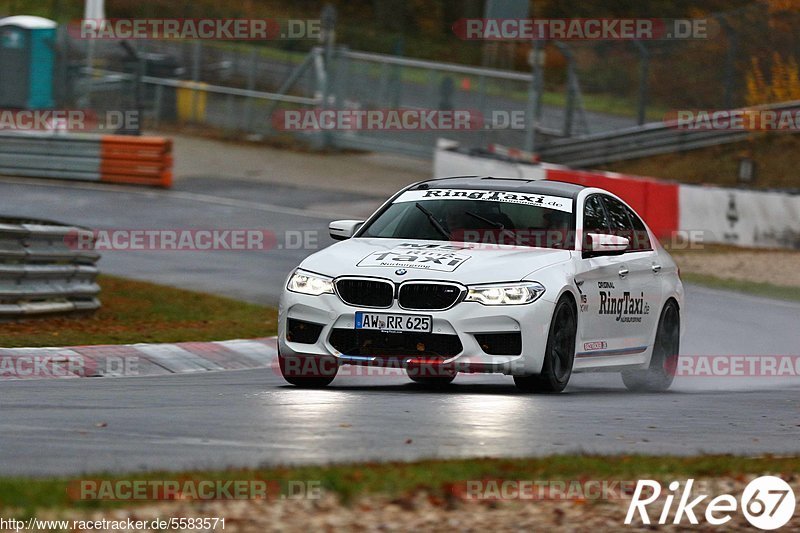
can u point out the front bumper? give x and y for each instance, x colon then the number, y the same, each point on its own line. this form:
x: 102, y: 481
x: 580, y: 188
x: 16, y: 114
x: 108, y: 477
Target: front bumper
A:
x: 466, y: 321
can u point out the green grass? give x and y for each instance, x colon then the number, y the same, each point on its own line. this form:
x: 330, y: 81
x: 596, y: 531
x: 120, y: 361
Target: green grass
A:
x: 136, y: 311
x: 516, y: 90
x: 767, y: 290
x: 437, y: 477
x: 776, y: 156
x: 263, y: 52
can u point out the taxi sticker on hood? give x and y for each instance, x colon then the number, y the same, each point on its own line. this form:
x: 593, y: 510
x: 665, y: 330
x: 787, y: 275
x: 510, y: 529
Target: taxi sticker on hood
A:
x: 557, y: 203
x: 423, y: 257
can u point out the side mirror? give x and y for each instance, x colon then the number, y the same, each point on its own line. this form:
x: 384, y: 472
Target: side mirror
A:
x: 341, y: 230
x: 604, y: 244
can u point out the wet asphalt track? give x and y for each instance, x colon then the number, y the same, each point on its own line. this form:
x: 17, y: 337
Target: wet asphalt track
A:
x: 246, y: 418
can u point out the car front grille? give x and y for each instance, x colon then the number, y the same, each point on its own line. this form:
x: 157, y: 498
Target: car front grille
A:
x: 377, y: 343
x: 431, y: 296
x: 500, y: 343
x: 365, y: 292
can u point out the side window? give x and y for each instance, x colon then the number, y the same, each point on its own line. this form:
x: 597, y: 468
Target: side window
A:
x: 641, y: 240
x: 594, y: 217
x: 618, y: 219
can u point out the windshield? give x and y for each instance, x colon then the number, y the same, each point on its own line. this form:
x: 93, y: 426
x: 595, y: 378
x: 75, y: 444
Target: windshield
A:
x: 487, y: 217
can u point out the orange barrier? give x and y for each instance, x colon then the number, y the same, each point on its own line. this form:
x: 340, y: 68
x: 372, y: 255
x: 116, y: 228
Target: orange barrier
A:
x: 136, y: 160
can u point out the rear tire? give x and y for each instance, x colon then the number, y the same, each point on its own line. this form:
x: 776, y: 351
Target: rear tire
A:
x: 559, y: 354
x: 664, y: 361
x: 308, y: 372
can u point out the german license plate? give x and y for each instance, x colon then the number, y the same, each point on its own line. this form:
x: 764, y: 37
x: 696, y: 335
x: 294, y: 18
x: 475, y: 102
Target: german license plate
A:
x: 393, y: 322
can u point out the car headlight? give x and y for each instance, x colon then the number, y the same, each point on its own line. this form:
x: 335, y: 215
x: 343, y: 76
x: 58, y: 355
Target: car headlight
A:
x: 313, y: 284
x: 506, y: 293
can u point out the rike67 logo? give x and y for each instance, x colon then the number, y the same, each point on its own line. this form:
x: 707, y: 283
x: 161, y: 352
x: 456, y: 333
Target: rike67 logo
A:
x: 767, y: 502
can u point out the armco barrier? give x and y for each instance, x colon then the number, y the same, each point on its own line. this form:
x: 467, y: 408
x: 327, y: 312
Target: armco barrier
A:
x: 136, y: 160
x: 738, y: 217
x: 648, y: 140
x: 90, y: 157
x: 40, y: 272
x: 656, y: 201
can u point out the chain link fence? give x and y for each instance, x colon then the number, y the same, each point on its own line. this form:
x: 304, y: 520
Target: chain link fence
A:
x: 588, y: 87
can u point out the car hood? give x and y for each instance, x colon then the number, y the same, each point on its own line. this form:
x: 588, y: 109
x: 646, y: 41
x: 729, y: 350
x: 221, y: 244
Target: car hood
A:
x: 404, y: 259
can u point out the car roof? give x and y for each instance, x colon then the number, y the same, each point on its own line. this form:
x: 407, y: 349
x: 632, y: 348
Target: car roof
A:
x: 492, y: 183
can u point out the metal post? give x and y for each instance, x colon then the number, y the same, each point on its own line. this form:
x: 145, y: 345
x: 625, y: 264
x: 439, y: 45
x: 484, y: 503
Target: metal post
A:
x: 159, y: 95
x: 342, y: 89
x: 730, y: 61
x: 138, y: 95
x: 383, y: 91
x: 251, y: 85
x: 396, y: 78
x: 534, y: 111
x: 197, y: 52
x: 644, y: 74
x: 482, y: 108
x: 572, y: 88
x: 328, y: 37
x: 230, y: 116
x: 64, y: 83
x: 137, y: 88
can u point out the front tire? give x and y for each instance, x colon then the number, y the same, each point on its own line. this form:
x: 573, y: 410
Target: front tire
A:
x: 308, y: 372
x: 659, y: 375
x: 559, y: 353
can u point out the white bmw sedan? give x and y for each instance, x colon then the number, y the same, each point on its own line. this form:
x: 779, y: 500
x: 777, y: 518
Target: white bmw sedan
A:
x: 533, y: 279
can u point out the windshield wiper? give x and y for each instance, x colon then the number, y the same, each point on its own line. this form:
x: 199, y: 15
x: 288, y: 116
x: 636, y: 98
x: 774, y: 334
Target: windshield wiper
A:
x: 492, y: 223
x: 434, y: 222
x: 495, y: 224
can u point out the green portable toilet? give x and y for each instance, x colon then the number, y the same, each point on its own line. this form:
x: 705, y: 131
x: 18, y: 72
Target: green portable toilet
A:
x: 27, y: 59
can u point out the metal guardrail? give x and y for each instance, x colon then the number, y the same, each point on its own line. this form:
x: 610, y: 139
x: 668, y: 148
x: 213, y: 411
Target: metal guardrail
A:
x: 50, y: 155
x: 46, y: 267
x: 87, y: 156
x: 644, y: 141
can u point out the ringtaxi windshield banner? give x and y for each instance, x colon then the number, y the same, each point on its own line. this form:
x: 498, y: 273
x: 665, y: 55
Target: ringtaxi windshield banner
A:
x: 537, y: 200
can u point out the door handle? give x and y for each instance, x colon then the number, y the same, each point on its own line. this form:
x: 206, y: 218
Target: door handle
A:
x: 656, y: 268
x: 623, y: 271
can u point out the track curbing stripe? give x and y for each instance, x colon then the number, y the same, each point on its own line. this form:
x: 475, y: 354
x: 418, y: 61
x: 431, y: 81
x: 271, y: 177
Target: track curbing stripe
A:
x: 149, y: 359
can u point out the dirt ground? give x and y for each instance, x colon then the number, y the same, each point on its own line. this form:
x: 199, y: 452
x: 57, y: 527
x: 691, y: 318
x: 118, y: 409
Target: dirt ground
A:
x: 765, y: 266
x: 426, y: 512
